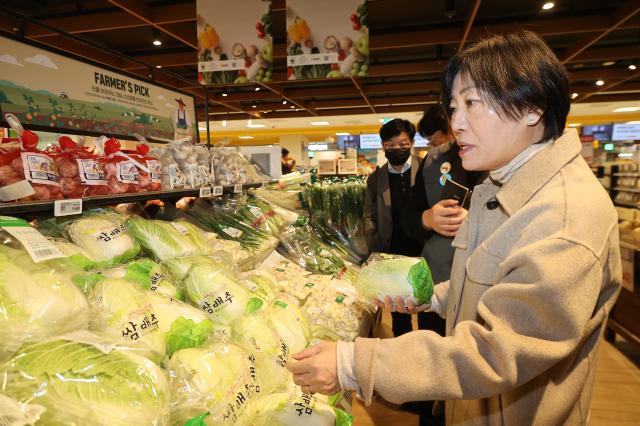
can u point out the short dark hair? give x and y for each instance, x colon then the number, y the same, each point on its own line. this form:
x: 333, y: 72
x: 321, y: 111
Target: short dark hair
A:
x: 515, y: 73
x: 393, y: 128
x: 433, y: 120
x: 285, y: 151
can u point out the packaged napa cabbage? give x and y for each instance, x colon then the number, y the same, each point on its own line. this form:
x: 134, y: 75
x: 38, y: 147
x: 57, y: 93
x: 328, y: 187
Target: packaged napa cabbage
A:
x: 87, y: 382
x: 212, y: 288
x: 104, y: 236
x: 179, y: 267
x: 257, y: 334
x: 290, y: 323
x: 14, y: 413
x: 145, y: 319
x: 219, y: 379
x: 75, y: 256
x: 148, y: 275
x: 167, y: 240
x: 261, y: 283
x: 292, y: 409
x: 36, y: 301
x: 394, y: 275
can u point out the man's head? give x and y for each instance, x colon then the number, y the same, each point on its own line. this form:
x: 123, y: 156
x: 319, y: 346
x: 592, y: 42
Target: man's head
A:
x: 285, y: 152
x: 434, y: 125
x: 397, y: 140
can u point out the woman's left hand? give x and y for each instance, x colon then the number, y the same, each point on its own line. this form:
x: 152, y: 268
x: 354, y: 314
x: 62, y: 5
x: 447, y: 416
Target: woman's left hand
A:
x: 315, y: 369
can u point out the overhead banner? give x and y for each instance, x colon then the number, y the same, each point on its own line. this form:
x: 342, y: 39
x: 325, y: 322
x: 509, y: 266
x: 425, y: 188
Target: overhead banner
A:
x: 47, y: 89
x: 235, y: 43
x: 327, y: 39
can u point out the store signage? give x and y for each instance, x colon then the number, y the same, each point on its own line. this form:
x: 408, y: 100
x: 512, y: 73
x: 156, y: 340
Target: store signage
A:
x: 234, y: 43
x: 327, y: 39
x: 626, y: 132
x: 317, y: 147
x: 348, y: 166
x: 326, y: 167
x: 587, y: 138
x: 373, y: 141
x: 50, y: 90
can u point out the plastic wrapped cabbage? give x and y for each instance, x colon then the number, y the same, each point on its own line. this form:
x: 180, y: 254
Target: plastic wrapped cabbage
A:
x: 291, y: 323
x: 256, y: 333
x: 393, y: 275
x: 213, y: 289
x: 75, y: 256
x: 83, y: 381
x: 148, y: 275
x: 14, y: 413
x: 179, y: 267
x: 104, y: 236
x: 261, y: 283
x: 293, y: 409
x: 219, y: 379
x: 36, y: 301
x: 146, y: 319
x: 167, y: 240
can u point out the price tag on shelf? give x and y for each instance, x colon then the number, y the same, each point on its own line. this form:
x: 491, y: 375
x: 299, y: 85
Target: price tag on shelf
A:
x: 67, y: 207
x: 217, y: 191
x: 237, y: 188
x: 265, y: 184
x: 205, y: 192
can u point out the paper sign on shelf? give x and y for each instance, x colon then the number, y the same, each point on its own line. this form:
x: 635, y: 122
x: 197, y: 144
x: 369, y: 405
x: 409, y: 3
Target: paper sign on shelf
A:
x: 217, y: 191
x: 205, y: 192
x: 237, y: 188
x: 67, y: 207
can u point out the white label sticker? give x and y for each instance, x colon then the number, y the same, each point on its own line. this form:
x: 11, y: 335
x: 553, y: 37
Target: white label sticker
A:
x: 180, y: 228
x: 255, y: 211
x: 16, y: 191
x: 91, y: 172
x: 155, y: 171
x: 40, y: 168
x: 205, y: 191
x: 67, y: 207
x: 265, y: 184
x: 127, y: 172
x: 237, y: 188
x: 217, y: 191
x: 232, y: 232
x: 325, y: 253
x: 38, y: 247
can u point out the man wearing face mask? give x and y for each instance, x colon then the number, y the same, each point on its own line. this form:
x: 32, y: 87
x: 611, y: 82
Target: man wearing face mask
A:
x: 388, y: 197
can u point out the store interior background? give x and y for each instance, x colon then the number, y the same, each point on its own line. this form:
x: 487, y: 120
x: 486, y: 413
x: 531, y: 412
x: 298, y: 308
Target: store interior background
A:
x: 410, y: 42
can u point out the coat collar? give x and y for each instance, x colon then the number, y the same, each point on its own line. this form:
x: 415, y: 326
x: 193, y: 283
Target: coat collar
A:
x: 538, y: 171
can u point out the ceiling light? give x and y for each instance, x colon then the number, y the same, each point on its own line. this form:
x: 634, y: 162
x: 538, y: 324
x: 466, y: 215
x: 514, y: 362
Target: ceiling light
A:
x: 225, y: 94
x: 633, y: 122
x: 158, y: 66
x: 575, y: 124
x: 599, y: 83
x: 224, y: 123
x: 608, y: 63
x: 343, y: 134
x: 292, y: 107
x: 254, y: 106
x: 574, y: 95
x: 548, y: 5
x: 632, y: 67
x: 284, y: 102
x: 245, y: 137
x: 319, y: 123
x: 627, y: 109
x: 257, y: 89
x: 157, y: 42
x: 254, y: 126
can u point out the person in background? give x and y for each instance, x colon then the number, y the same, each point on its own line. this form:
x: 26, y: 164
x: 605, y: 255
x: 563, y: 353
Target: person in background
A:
x: 536, y: 270
x: 388, y: 197
x: 288, y: 162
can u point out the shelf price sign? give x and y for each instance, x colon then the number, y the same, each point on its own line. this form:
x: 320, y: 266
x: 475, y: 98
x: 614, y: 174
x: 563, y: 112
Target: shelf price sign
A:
x: 217, y: 191
x: 237, y: 188
x: 67, y: 207
x: 205, y: 192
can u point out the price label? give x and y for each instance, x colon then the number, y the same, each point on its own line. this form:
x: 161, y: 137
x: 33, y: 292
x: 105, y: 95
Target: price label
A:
x: 265, y: 184
x: 67, y: 207
x: 205, y: 192
x: 217, y: 191
x: 237, y: 188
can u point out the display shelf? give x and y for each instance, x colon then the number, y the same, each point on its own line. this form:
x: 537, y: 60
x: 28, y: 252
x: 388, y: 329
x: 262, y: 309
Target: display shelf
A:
x: 627, y: 174
x: 623, y: 204
x: 635, y: 190
x: 47, y: 206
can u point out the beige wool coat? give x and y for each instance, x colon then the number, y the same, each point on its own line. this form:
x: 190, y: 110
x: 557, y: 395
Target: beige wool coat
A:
x: 532, y: 283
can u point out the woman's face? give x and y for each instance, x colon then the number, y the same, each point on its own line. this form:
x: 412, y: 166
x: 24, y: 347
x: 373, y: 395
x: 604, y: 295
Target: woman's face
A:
x: 487, y: 140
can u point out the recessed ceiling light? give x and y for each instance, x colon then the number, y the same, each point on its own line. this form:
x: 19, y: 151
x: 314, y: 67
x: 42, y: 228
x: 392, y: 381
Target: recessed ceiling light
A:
x: 599, y: 83
x: 574, y: 95
x: 319, y: 123
x: 548, y: 5
x: 627, y: 109
x: 632, y: 67
x: 225, y: 94
x: 575, y: 124
x: 245, y: 137
x: 224, y: 123
x: 608, y: 63
x: 254, y: 106
x: 158, y: 66
x: 343, y: 134
x: 284, y: 102
x: 292, y: 107
x: 157, y: 42
x: 257, y: 89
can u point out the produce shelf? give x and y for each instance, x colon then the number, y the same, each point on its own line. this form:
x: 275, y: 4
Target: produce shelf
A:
x: 47, y: 206
x: 619, y: 188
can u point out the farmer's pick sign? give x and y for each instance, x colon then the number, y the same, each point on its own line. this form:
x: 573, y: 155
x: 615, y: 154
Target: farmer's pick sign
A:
x: 43, y: 88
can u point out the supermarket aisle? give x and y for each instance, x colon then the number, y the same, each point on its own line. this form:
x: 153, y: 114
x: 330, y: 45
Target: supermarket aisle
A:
x: 616, y: 395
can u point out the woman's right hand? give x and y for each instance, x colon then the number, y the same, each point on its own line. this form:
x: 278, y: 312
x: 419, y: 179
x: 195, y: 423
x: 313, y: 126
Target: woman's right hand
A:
x: 408, y: 306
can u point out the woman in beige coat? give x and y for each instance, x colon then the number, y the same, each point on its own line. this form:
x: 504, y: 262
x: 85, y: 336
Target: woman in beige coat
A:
x: 536, y: 269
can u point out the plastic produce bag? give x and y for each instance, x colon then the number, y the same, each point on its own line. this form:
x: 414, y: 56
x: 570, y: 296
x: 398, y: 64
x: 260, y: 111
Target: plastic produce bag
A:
x: 261, y: 283
x: 14, y: 413
x: 36, y: 300
x: 184, y: 165
x: 395, y: 276
x: 146, y: 319
x: 166, y: 240
x: 292, y: 409
x: 220, y: 380
x: 83, y: 380
x: 103, y: 234
x: 224, y: 166
x: 179, y: 267
x: 122, y: 173
x: 291, y: 323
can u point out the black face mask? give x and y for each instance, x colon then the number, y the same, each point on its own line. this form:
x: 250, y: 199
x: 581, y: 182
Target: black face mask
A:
x: 397, y: 157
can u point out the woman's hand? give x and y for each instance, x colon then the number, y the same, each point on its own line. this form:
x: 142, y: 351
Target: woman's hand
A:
x: 445, y: 218
x: 399, y: 305
x: 315, y: 369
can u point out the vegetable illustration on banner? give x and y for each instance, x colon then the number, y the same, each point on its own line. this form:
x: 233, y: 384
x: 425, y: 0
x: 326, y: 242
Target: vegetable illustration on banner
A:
x: 327, y: 39
x: 235, y: 44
